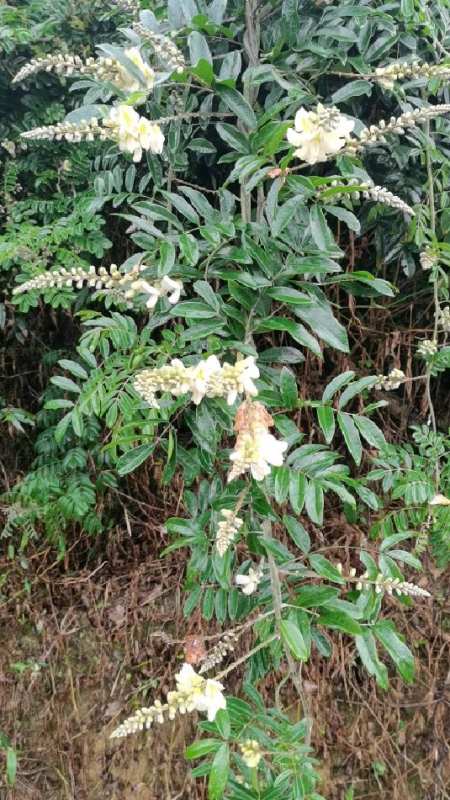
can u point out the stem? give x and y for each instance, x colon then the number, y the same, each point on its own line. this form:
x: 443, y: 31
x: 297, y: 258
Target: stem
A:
x: 431, y: 205
x: 294, y: 669
x: 252, y: 40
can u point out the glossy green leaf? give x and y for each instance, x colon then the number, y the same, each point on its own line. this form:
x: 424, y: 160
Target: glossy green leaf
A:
x: 401, y: 655
x: 351, y: 435
x: 218, y: 777
x: 293, y: 638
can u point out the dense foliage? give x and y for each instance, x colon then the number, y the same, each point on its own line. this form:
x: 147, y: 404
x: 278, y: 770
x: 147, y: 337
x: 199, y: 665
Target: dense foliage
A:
x: 295, y: 267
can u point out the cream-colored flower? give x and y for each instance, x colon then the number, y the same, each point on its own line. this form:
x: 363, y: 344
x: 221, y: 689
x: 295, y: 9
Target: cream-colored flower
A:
x: 201, y: 695
x: 427, y: 347
x: 444, y: 319
x: 439, y: 500
x: 319, y: 134
x: 251, y: 752
x: 256, y: 451
x: 171, y: 288
x: 391, y: 381
x: 250, y: 582
x: 201, y: 376
x: 126, y: 81
x: 212, y: 699
x: 238, y: 379
x: 227, y: 529
x: 134, y: 133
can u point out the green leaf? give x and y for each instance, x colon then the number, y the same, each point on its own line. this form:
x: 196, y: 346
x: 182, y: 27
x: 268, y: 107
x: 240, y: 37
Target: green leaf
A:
x: 297, y: 331
x: 284, y: 294
x: 11, y: 766
x: 370, y: 431
x: 356, y: 388
x: 234, y: 138
x: 314, y: 596
x: 297, y: 485
x: 202, y: 748
x: 131, y: 460
x: 346, y: 216
x: 337, y: 383
x: 320, y: 231
x: 352, y: 89
x: 401, y: 655
x: 351, y: 435
x: 192, y: 600
x: 314, y: 501
x: 293, y: 638
x: 340, y: 621
x: 367, y: 649
x: 207, y: 293
x: 65, y: 383
x: 325, y: 416
x: 323, y: 323
x: 281, y: 483
x: 73, y: 367
x: 189, y: 248
x: 238, y: 104
x: 325, y: 568
x: 218, y: 777
x: 53, y: 405
x: 198, y: 48
x: 288, y: 388
x: 297, y: 532
x: 222, y: 721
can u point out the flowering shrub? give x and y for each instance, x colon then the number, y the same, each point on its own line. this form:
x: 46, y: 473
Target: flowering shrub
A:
x: 234, y: 280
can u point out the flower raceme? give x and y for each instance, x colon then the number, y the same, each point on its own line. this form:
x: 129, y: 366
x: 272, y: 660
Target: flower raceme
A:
x: 124, y: 125
x: 192, y: 693
x: 319, y: 133
x: 123, y: 285
x: 102, y: 68
x: 227, y: 529
x: 208, y: 378
x: 256, y: 449
x: 134, y: 133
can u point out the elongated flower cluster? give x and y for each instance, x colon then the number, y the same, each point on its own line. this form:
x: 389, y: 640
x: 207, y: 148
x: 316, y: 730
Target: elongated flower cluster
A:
x: 379, y: 194
x: 428, y: 258
x: 85, y: 130
x: 387, y: 76
x: 165, y: 50
x: 391, y: 585
x: 255, y: 449
x: 193, y: 693
x: 218, y: 653
x: 102, y: 68
x: 444, y: 319
x: 251, y: 752
x: 133, y: 133
x: 397, y: 125
x: 124, y: 284
x: 391, y: 381
x: 96, y: 278
x: 319, y: 134
x: 209, y: 378
x: 427, y: 347
x: 227, y: 529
